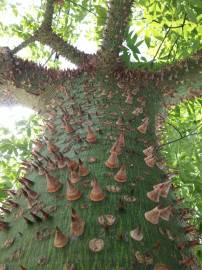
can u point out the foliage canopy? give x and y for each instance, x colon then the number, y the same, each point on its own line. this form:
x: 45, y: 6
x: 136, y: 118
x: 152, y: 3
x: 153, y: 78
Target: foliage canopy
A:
x: 159, y: 31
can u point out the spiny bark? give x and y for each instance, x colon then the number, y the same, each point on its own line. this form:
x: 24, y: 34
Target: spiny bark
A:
x: 83, y: 123
x: 46, y: 36
x: 63, y: 48
x: 118, y: 18
x: 118, y: 209
x: 27, y: 82
x: 48, y: 17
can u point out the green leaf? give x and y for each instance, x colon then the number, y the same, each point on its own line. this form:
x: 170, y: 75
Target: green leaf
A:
x: 135, y: 50
x: 197, y: 3
x: 191, y: 15
x: 102, y: 14
x: 143, y: 58
x: 139, y: 43
x: 136, y: 57
x: 177, y: 111
x: 148, y: 41
x: 126, y: 56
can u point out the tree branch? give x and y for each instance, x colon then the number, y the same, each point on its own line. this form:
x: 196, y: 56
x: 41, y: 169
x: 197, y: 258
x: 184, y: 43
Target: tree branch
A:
x: 176, y: 140
x: 46, y: 25
x: 22, y: 74
x: 184, y: 79
x: 48, y: 15
x: 166, y: 34
x: 117, y: 20
x: 64, y: 49
x: 46, y: 36
x: 181, y: 25
x: 10, y: 94
x: 24, y: 44
x: 26, y: 80
x: 173, y: 126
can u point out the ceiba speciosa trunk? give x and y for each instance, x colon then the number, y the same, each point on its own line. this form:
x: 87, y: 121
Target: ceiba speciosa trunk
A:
x: 97, y: 194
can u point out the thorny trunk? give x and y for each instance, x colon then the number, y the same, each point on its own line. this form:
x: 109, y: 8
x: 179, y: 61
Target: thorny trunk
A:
x: 113, y: 124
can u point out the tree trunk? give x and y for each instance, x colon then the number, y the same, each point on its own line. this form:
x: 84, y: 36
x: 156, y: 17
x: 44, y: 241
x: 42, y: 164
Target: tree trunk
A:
x: 105, y: 125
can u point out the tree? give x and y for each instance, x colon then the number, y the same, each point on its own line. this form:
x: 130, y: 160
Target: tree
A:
x: 97, y: 194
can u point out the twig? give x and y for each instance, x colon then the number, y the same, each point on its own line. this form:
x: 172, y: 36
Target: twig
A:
x: 175, y: 129
x: 171, y: 49
x: 49, y: 57
x: 182, y: 25
x: 178, y: 26
x: 168, y: 31
x: 172, y: 126
x: 83, y: 7
x: 161, y: 45
x: 176, y: 140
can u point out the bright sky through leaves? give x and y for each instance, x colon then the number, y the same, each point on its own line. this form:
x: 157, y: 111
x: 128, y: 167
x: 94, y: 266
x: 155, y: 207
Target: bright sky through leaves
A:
x: 9, y: 115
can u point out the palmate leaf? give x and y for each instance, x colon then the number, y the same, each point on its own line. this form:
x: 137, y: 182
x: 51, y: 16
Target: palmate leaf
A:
x: 131, y: 47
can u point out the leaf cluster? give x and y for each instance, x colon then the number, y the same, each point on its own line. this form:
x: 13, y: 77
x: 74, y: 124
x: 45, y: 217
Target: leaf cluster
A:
x: 185, y: 155
x: 159, y: 31
x: 165, y: 31
x: 14, y: 148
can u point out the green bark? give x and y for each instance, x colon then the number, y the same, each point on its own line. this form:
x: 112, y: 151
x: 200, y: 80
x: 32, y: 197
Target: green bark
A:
x: 26, y: 82
x: 114, y: 31
x: 98, y: 100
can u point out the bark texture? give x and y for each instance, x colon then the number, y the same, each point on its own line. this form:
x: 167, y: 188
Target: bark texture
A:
x: 96, y: 194
x: 85, y: 119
